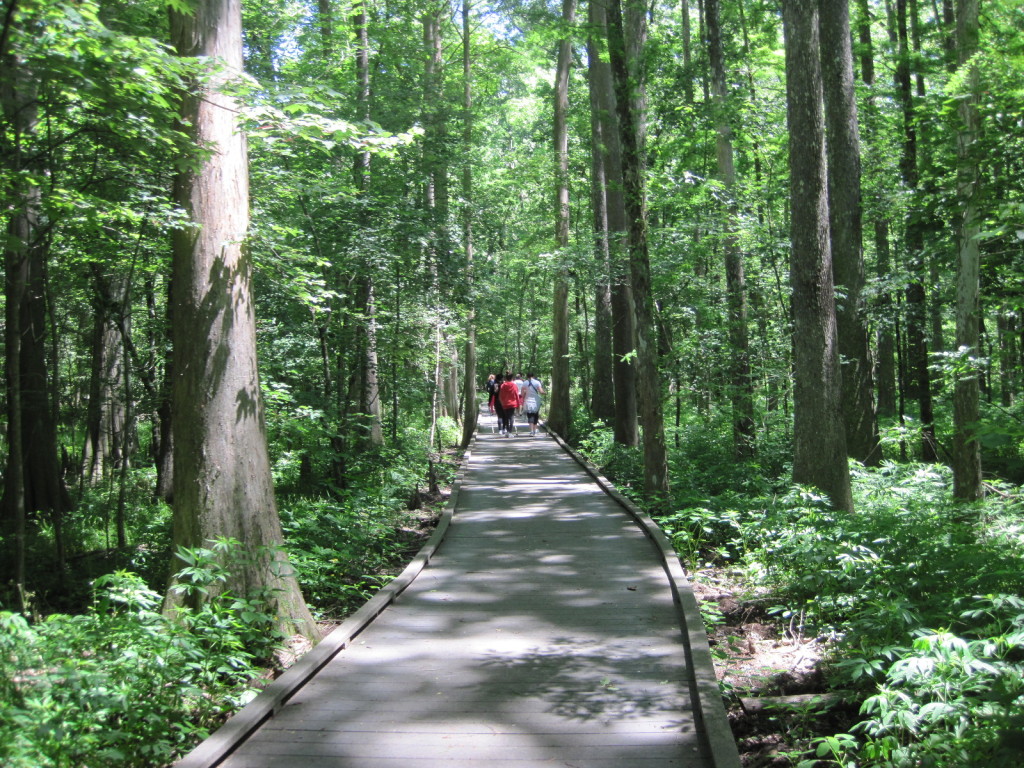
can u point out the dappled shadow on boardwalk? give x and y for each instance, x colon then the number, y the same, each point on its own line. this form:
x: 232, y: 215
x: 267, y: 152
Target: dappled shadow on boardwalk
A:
x: 543, y: 633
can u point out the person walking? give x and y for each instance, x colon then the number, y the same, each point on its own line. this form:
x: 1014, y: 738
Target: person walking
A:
x: 508, y: 398
x: 532, y: 390
x: 521, y: 384
x: 492, y: 391
x: 499, y: 409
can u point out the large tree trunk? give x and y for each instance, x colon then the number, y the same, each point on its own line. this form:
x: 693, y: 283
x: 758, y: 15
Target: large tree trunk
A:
x: 222, y: 479
x: 819, y: 447
x: 602, y: 402
x: 845, y: 216
x: 32, y: 481
x: 966, y: 450
x: 16, y: 98
x: 627, y: 70
x: 920, y: 385
x: 885, y: 349
x: 370, y: 429
x: 741, y: 390
x: 559, y: 409
x: 470, y: 406
x: 435, y: 166
x: 366, y: 423
x: 625, y: 427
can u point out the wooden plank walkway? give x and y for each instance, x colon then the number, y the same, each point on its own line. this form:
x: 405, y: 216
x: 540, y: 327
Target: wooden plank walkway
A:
x: 545, y: 631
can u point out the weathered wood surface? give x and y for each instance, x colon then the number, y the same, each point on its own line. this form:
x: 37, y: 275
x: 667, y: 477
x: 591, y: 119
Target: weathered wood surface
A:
x: 542, y: 633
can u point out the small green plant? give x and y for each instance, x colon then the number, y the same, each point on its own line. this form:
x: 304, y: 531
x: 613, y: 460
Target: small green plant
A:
x: 835, y: 749
x: 342, y: 549
x: 245, y: 625
x: 122, y: 684
x: 711, y: 614
x: 700, y: 532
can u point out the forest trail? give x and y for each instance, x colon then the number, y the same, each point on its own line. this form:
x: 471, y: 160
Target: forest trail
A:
x: 543, y: 632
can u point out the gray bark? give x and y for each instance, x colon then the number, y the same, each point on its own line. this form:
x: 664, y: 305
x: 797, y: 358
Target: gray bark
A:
x: 845, y: 217
x: 222, y: 479
x: 470, y: 406
x: 602, y: 403
x: 967, y: 480
x: 627, y: 73
x: 740, y: 387
x: 559, y: 408
x: 819, y: 445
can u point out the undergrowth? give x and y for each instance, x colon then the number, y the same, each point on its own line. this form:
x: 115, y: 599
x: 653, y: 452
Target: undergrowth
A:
x: 99, y: 676
x: 121, y: 684
x: 919, y: 597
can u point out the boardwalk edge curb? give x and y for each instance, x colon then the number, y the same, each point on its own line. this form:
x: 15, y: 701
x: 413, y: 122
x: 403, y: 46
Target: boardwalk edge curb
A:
x: 709, y: 705
x: 219, y: 745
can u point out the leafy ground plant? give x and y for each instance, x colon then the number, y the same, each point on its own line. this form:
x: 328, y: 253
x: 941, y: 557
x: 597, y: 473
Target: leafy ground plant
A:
x: 912, y: 609
x: 121, y: 684
x: 919, y: 597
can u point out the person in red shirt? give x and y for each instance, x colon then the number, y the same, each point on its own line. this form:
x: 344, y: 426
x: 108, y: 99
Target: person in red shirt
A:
x: 508, y: 397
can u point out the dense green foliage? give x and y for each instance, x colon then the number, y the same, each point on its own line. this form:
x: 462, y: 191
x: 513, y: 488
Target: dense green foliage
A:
x: 121, y: 684
x: 919, y: 597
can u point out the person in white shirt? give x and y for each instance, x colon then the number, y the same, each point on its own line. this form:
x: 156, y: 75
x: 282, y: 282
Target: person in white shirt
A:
x: 532, y: 390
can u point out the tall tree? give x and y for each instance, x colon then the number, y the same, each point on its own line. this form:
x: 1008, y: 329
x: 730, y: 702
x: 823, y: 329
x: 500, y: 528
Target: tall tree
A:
x: 559, y: 409
x: 33, y: 481
x: 222, y: 481
x: 885, y: 346
x: 469, y: 387
x: 367, y: 383
x: 966, y: 392
x: 741, y: 390
x: 917, y: 341
x: 435, y: 172
x: 846, y: 230
x: 602, y: 402
x: 22, y: 198
x: 627, y: 71
x: 819, y: 445
x: 625, y: 426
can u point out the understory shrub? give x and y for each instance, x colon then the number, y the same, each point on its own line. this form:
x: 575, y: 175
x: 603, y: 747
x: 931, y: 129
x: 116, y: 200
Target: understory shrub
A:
x: 122, y: 684
x: 341, y: 549
x: 921, y: 598
x: 621, y: 464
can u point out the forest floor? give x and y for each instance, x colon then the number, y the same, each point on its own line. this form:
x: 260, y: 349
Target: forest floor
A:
x: 779, y: 699
x: 409, y: 537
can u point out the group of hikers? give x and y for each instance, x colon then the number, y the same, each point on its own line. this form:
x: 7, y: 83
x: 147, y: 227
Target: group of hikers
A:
x: 508, y: 395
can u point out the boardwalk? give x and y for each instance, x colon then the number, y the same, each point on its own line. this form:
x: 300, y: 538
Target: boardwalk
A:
x: 543, y: 632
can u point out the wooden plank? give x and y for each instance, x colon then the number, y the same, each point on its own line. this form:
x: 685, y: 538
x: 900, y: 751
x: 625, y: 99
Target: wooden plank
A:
x: 471, y: 719
x: 410, y: 742
x: 480, y: 750
x: 504, y: 761
x: 542, y: 632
